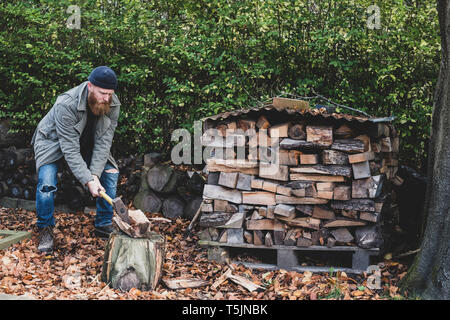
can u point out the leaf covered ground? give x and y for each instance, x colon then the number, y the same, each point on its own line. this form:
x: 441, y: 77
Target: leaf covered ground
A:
x: 73, y: 270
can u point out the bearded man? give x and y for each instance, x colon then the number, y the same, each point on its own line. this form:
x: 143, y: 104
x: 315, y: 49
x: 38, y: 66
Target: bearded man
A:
x: 79, y: 130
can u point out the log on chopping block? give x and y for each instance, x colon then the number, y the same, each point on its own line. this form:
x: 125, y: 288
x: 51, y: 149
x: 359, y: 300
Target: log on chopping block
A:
x: 133, y: 262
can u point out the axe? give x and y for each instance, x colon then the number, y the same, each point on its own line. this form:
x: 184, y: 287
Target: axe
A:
x: 187, y: 233
x: 118, y: 205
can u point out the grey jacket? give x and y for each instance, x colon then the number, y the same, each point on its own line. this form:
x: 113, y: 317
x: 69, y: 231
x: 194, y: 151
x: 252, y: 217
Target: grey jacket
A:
x: 58, y: 134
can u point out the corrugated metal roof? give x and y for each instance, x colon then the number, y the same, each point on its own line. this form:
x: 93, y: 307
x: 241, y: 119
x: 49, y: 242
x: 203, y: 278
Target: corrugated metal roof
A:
x: 310, y: 111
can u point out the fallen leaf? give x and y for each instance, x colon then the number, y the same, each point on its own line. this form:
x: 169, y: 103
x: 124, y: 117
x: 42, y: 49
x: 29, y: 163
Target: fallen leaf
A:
x: 297, y: 293
x: 357, y: 293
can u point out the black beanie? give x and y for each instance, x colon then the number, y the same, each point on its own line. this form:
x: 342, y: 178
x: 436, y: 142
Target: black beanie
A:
x: 103, y: 77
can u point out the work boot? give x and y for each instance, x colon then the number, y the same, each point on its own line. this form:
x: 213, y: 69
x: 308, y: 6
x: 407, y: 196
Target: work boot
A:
x: 46, y: 239
x: 104, y: 231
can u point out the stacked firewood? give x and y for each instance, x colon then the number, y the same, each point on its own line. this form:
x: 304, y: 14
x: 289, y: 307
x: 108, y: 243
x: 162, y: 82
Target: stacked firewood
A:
x: 18, y: 179
x: 168, y: 189
x: 17, y: 173
x: 129, y: 177
x: 306, y: 181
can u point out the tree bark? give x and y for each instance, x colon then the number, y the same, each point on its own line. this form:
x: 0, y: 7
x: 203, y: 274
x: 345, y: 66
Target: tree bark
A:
x: 133, y: 263
x: 429, y: 276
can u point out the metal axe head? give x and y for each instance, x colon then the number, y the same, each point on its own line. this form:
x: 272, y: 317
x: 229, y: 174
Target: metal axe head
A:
x: 118, y: 205
x: 121, y: 209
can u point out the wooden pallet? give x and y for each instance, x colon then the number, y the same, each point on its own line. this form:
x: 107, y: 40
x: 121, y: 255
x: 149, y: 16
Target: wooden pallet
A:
x: 8, y: 237
x: 287, y: 259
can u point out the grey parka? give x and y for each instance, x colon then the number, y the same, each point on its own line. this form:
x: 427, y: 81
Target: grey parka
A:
x: 58, y: 134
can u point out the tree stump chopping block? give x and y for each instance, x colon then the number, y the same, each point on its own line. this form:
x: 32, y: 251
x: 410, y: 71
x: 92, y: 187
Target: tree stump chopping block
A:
x: 133, y: 262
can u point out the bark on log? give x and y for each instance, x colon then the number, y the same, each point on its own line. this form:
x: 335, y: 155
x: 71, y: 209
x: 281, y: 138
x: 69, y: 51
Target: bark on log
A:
x: 214, y: 219
x: 348, y: 145
x: 297, y: 132
x: 191, y: 207
x: 162, y: 179
x: 322, y: 135
x: 173, y: 207
x: 335, y: 170
x: 356, y: 204
x: 147, y: 201
x: 133, y: 262
x: 334, y: 157
x: 300, y: 144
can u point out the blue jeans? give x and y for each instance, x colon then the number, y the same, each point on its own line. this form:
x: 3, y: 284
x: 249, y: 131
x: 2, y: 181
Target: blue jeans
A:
x: 46, y: 188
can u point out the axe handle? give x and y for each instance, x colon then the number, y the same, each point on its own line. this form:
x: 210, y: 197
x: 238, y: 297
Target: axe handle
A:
x: 194, y: 220
x: 106, y: 197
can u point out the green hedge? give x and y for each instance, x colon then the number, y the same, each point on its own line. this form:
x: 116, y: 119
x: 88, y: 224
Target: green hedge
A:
x: 179, y: 61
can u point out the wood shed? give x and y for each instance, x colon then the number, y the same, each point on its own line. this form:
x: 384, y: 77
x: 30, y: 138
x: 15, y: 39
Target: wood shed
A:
x: 289, y: 177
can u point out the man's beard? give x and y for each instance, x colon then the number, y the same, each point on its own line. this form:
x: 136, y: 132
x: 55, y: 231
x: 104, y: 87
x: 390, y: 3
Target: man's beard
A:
x: 97, y: 108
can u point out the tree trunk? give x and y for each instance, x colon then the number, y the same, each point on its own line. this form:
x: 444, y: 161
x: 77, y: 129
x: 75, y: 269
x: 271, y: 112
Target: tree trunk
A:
x: 133, y: 262
x: 429, y: 276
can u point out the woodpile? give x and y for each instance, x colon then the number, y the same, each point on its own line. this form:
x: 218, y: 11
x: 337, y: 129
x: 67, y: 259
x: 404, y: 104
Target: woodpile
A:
x: 152, y: 186
x: 166, y: 189
x: 18, y: 179
x: 328, y: 185
x: 17, y: 173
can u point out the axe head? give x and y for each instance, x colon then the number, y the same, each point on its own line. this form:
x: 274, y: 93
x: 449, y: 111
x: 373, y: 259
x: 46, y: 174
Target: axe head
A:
x: 121, y: 209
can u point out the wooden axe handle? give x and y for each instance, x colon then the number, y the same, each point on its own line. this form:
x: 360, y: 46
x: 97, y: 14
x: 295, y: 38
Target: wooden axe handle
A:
x: 106, y: 197
x: 194, y: 220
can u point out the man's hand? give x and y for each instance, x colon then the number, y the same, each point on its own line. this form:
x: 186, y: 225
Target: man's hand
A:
x: 95, y: 186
